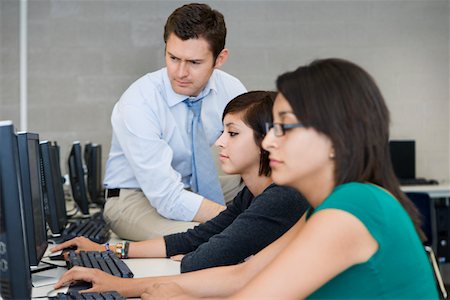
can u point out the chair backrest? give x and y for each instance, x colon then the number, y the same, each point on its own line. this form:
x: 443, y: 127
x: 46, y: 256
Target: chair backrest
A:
x: 437, y: 273
x: 423, y: 203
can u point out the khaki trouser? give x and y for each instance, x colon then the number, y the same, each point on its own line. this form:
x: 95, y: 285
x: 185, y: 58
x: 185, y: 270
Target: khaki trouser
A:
x: 132, y: 217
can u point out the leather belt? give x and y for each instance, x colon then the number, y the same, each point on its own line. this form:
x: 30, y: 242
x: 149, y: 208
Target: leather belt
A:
x: 112, y: 193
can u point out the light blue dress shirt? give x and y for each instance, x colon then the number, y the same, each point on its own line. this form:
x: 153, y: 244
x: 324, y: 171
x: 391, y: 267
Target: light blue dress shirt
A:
x: 151, y: 140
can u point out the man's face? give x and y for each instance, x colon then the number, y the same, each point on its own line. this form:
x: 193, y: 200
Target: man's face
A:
x: 189, y: 64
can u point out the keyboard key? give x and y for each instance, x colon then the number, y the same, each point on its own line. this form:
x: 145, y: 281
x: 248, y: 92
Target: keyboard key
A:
x: 111, y: 265
x: 85, y: 259
x: 94, y: 261
x: 124, y: 270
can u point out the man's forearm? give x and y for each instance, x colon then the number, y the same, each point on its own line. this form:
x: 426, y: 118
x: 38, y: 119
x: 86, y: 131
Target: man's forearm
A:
x: 208, y: 210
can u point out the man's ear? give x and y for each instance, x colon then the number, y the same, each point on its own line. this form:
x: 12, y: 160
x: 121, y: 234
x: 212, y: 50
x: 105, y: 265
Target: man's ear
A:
x: 221, y: 58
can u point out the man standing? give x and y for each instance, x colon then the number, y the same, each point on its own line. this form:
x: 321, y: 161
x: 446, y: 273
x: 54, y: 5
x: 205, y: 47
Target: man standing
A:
x: 160, y: 176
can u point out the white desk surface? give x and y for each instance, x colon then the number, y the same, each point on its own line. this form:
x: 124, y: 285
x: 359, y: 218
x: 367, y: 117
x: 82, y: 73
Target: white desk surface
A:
x: 435, y: 191
x: 141, y: 267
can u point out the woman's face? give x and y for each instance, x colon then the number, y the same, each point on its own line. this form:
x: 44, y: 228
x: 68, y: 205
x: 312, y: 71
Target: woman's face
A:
x: 300, y: 156
x: 238, y: 152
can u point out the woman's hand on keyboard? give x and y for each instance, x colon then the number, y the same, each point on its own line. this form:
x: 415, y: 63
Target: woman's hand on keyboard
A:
x: 101, y: 281
x: 81, y: 244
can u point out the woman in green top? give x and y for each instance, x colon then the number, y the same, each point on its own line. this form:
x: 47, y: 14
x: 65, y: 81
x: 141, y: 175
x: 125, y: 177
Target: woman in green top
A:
x: 329, y: 140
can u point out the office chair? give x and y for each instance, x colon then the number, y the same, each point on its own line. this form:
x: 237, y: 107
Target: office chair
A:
x: 424, y: 203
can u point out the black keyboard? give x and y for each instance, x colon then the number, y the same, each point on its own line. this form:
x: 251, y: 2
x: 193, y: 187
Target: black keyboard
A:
x: 93, y: 295
x: 94, y: 228
x: 105, y: 261
x: 417, y: 181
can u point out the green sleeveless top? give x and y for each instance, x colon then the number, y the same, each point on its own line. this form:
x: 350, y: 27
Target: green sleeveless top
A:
x: 400, y: 268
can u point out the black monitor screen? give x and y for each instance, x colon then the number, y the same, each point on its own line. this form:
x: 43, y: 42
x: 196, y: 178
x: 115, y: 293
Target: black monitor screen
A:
x: 76, y: 176
x: 52, y: 187
x: 33, y: 202
x: 93, y: 159
x: 15, y: 277
x: 403, y: 157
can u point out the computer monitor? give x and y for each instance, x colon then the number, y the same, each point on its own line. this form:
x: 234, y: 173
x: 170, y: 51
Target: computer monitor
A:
x: 52, y: 187
x: 93, y: 159
x: 403, y: 157
x: 15, y: 277
x: 32, y: 197
x: 77, y: 181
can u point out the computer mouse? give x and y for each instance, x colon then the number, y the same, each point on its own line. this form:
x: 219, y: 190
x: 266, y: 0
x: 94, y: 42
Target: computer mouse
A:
x: 433, y: 181
x: 54, y: 293
x: 58, y: 255
x: 61, y: 254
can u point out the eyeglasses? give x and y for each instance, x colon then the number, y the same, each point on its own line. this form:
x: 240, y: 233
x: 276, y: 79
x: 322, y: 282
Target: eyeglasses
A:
x: 280, y: 129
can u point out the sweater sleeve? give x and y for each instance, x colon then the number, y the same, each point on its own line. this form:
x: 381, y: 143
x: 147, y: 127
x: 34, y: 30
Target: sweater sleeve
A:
x: 268, y: 217
x: 185, y: 242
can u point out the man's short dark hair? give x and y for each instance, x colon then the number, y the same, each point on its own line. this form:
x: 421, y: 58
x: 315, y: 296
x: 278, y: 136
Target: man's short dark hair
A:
x: 195, y: 20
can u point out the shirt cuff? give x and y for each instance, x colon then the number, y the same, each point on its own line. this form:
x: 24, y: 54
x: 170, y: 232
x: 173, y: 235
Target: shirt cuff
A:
x: 190, y: 204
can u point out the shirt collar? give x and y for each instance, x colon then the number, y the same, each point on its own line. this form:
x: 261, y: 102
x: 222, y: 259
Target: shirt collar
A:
x: 174, y: 98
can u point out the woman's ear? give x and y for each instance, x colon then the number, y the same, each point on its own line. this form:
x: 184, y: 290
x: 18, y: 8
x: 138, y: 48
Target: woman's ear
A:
x: 332, y: 154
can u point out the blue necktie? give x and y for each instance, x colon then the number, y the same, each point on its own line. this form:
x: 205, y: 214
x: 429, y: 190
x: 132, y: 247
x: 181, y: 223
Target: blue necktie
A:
x: 204, y: 180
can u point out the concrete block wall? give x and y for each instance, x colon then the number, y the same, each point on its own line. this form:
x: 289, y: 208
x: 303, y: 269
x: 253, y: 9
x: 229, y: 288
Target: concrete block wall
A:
x: 84, y: 54
x: 9, y: 61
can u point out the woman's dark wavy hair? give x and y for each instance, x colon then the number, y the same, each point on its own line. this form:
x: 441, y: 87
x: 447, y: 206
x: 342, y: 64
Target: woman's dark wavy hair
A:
x: 342, y: 101
x: 256, y: 110
x: 195, y: 20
